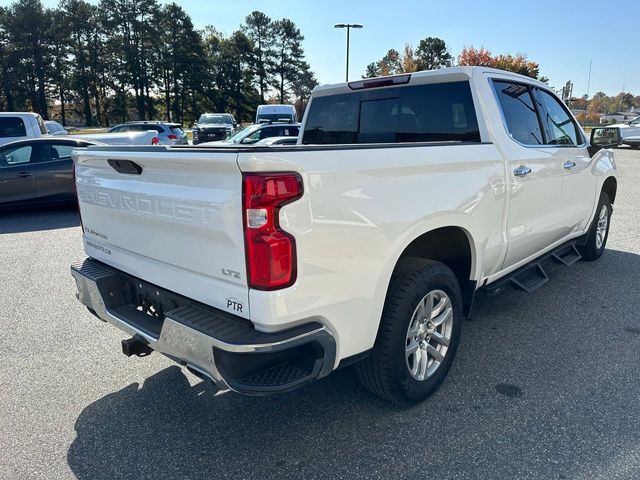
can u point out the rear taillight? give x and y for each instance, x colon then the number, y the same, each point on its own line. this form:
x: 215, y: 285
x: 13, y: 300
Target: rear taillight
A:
x: 271, y: 252
x: 155, y: 141
x: 173, y: 136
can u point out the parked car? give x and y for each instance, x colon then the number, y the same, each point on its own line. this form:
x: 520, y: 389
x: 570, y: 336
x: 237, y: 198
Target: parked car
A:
x: 54, y: 128
x: 213, y: 127
x: 365, y: 244
x: 38, y: 171
x: 630, y: 132
x: 268, y: 142
x: 255, y: 133
x: 145, y: 137
x: 167, y: 133
x: 20, y: 125
x: 276, y: 113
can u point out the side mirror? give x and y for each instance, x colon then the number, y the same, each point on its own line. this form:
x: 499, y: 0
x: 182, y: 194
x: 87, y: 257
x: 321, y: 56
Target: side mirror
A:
x: 604, y: 137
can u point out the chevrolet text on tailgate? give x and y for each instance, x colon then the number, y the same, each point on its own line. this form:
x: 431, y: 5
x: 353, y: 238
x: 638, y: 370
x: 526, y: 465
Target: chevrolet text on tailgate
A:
x: 263, y: 269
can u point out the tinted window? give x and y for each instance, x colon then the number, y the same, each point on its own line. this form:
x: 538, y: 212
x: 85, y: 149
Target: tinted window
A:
x: 145, y: 128
x: 62, y: 152
x: 177, y: 130
x: 15, y: 156
x: 519, y: 112
x: 120, y: 128
x: 220, y: 118
x: 422, y: 113
x: 274, y: 117
x: 12, y: 127
x: 282, y: 131
x: 559, y: 126
x: 270, y: 132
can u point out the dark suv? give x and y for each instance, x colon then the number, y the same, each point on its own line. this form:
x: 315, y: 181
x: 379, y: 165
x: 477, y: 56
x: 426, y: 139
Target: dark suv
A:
x: 168, y: 133
x: 212, y: 127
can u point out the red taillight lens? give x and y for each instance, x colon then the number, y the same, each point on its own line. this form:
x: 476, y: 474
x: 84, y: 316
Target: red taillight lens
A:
x: 271, y: 252
x: 173, y: 136
x: 155, y: 141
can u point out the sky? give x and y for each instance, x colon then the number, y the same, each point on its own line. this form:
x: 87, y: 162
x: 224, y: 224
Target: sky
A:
x: 561, y: 36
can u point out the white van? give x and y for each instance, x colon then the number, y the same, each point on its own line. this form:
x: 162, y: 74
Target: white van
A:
x: 275, y: 113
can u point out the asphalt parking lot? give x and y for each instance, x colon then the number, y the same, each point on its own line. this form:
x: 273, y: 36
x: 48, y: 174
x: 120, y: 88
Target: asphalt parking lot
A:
x: 544, y: 386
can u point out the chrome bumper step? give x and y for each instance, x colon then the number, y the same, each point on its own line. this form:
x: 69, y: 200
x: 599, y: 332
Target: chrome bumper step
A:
x: 225, y: 348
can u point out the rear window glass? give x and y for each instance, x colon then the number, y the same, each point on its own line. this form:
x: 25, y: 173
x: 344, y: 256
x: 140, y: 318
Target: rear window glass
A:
x: 12, y: 127
x: 177, y: 130
x: 275, y: 117
x: 145, y: 128
x: 519, y: 112
x: 421, y: 113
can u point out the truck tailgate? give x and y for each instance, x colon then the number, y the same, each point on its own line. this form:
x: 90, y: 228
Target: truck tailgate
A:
x: 176, y: 224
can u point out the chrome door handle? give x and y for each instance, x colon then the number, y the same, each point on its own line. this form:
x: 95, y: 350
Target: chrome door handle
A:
x: 568, y: 165
x: 522, y: 171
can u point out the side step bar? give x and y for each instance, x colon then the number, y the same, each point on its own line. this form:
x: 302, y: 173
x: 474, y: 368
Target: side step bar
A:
x: 532, y: 276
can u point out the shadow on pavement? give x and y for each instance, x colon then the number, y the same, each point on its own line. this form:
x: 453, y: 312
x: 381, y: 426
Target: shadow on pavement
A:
x: 36, y: 219
x: 544, y: 386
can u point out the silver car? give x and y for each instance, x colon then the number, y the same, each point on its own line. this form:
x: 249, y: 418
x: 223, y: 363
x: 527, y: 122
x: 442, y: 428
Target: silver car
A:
x: 168, y: 133
x: 54, y: 128
x: 254, y: 133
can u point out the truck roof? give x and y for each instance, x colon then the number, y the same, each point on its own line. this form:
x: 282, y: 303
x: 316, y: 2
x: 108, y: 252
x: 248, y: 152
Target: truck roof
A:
x: 427, y: 76
x: 13, y: 114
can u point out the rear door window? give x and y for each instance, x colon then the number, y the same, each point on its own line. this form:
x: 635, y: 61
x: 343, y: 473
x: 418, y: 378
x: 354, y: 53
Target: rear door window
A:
x: 420, y: 113
x: 61, y: 151
x: 519, y: 112
x: 12, y: 127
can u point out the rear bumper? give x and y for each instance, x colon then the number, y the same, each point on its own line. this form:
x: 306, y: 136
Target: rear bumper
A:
x: 214, y: 344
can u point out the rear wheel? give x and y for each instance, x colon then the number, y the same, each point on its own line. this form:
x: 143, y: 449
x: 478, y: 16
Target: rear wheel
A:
x: 418, y: 335
x: 598, y: 232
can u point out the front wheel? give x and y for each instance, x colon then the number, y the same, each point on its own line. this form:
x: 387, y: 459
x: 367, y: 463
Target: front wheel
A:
x: 418, y: 335
x: 598, y: 232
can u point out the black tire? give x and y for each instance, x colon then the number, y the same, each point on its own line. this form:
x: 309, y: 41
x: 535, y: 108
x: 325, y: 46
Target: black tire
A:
x: 385, y: 371
x: 591, y: 251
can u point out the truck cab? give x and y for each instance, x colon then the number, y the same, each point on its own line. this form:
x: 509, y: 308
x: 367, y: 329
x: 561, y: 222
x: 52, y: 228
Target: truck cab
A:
x: 20, y: 126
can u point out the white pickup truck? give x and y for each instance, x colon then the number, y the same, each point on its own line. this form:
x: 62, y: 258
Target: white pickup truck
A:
x: 26, y: 125
x: 263, y: 269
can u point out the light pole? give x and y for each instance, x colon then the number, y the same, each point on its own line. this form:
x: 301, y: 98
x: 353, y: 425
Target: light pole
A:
x: 348, y: 26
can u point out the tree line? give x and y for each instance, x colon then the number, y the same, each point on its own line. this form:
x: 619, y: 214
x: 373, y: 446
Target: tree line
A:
x: 136, y: 59
x: 432, y: 53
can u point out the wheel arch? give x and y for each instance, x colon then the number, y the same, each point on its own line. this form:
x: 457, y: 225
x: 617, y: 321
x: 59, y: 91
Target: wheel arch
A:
x: 452, y: 245
x: 610, y: 187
